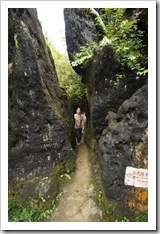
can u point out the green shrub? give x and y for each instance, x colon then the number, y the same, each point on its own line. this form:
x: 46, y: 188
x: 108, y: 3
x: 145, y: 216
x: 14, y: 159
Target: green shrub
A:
x: 68, y: 79
x: 124, y: 219
x: 84, y: 56
x: 123, y: 36
x: 141, y: 217
x: 17, y: 213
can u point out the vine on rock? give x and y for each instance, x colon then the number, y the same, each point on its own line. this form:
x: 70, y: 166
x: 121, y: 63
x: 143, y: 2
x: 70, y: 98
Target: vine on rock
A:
x: 123, y: 36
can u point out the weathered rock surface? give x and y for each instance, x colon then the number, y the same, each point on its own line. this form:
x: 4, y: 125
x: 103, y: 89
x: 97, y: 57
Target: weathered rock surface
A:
x: 116, y: 148
x: 80, y: 30
x: 118, y: 113
x: 39, y: 126
x: 103, y: 95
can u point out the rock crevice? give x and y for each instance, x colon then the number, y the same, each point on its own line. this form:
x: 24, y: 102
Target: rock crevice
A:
x: 119, y: 113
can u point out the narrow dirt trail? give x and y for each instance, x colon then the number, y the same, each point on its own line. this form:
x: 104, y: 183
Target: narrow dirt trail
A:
x: 76, y: 203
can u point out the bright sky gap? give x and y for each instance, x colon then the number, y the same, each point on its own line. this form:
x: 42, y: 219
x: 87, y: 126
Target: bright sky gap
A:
x: 52, y: 21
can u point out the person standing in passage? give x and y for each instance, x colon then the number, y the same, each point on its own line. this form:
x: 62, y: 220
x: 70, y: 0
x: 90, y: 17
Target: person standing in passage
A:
x: 79, y: 125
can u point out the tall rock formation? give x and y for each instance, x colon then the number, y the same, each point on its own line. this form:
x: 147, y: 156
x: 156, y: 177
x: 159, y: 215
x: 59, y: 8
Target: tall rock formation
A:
x: 39, y: 125
x: 125, y: 104
x: 125, y: 143
x: 81, y: 29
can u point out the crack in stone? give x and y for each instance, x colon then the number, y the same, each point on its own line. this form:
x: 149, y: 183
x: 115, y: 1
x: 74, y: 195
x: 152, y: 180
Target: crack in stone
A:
x: 80, y: 207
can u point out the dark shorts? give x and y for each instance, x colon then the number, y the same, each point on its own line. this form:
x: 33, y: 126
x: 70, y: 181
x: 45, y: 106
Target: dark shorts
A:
x: 78, y: 133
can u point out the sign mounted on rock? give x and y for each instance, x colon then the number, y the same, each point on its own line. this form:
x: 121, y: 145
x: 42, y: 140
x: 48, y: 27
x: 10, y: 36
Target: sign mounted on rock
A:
x: 136, y: 177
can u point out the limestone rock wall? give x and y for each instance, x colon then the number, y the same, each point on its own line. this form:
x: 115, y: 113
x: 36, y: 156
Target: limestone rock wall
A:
x: 81, y: 29
x: 125, y: 143
x: 103, y: 95
x: 38, y: 120
x: 119, y: 115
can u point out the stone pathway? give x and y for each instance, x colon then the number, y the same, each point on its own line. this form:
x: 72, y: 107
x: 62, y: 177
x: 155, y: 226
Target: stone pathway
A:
x: 76, y: 203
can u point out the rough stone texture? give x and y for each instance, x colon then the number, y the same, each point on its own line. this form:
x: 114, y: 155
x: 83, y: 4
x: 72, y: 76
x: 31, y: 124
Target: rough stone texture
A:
x: 137, y: 199
x: 118, y: 119
x: 118, y: 145
x: 103, y: 96
x: 80, y: 30
x: 39, y: 127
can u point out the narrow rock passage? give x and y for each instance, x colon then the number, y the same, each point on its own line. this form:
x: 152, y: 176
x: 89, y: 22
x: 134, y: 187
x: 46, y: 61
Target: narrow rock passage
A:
x: 76, y: 203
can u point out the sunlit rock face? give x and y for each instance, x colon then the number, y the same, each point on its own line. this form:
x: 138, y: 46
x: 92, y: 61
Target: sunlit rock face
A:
x: 39, y: 121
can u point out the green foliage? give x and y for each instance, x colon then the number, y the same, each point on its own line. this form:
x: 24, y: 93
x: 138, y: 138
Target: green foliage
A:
x: 18, y: 213
x: 113, y: 123
x: 99, y: 197
x: 45, y: 215
x: 124, y: 219
x: 60, y: 169
x: 62, y: 173
x: 84, y: 56
x: 67, y: 176
x: 16, y: 41
x: 142, y: 72
x: 141, y: 217
x: 68, y: 79
x: 123, y: 36
x: 10, y: 69
x: 58, y: 197
x: 126, y: 39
